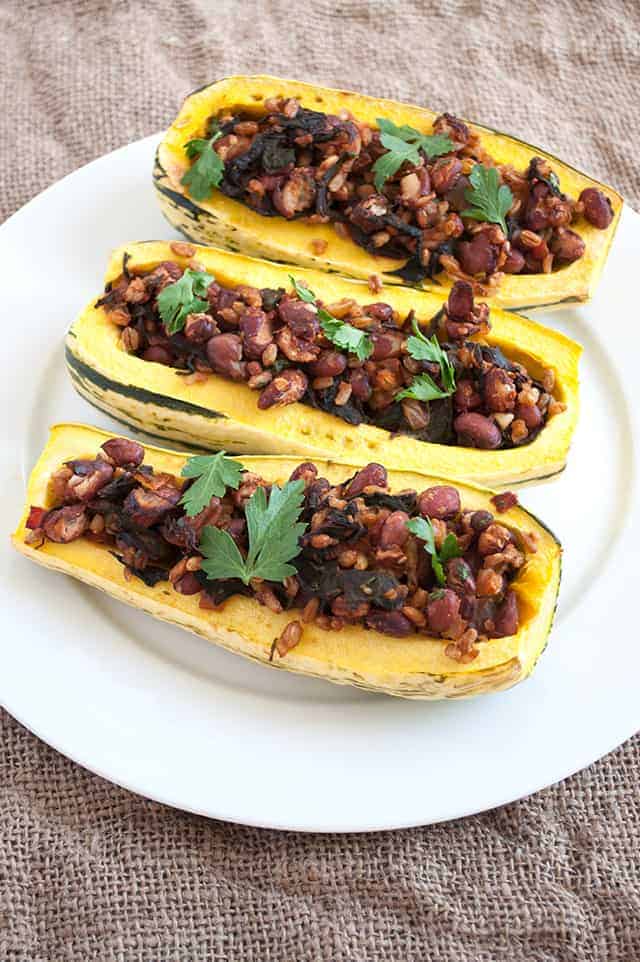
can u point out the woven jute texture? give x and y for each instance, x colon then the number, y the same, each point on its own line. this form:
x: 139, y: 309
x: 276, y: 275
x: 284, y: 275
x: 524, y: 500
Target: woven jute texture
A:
x: 91, y: 872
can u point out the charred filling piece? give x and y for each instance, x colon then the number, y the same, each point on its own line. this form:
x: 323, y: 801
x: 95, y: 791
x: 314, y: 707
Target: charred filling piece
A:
x: 362, y: 363
x: 397, y: 192
x: 405, y: 564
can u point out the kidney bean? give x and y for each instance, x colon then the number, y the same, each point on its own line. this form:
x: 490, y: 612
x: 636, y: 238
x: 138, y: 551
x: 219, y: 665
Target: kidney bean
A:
x: 394, y: 530
x: 381, y: 312
x: 443, y: 608
x: 460, y: 302
x: 188, y: 584
x: 477, y: 256
x: 66, y: 524
x: 530, y: 414
x: 255, y: 328
x: 493, y: 539
x: 499, y: 390
x: 199, y: 328
x: 597, y: 207
x: 390, y: 623
x: 481, y: 520
x: 455, y: 197
x: 372, y: 475
x: 567, y: 245
x: 306, y: 472
x: 145, y: 507
x: 506, y: 619
x: 536, y: 215
x: 221, y: 298
x: 124, y: 451
x: 477, y: 431
x: 286, y: 388
x: 224, y: 352
x: 452, y: 127
x: 460, y: 576
x: 360, y: 385
x: 441, y: 501
x: 295, y: 348
x: 300, y: 317
x: 466, y: 398
x: 386, y: 344
x: 158, y: 354
x: 329, y: 364
x: 88, y: 478
x: 514, y: 263
x: 444, y: 174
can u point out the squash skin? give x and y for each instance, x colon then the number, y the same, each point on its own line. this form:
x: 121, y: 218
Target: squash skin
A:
x: 416, y: 668
x: 224, y: 222
x: 219, y: 413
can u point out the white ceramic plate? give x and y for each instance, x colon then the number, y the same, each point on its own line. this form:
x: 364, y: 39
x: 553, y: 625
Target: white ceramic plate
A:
x: 165, y: 714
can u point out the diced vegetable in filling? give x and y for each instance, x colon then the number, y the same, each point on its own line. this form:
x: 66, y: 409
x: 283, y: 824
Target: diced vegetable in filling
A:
x: 363, y: 363
x: 406, y: 564
x: 437, y: 199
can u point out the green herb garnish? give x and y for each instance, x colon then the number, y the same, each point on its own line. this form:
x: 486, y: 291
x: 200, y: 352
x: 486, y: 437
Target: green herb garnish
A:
x: 215, y: 473
x: 489, y: 199
x: 404, y: 144
x: 206, y: 173
x: 182, y: 298
x: 274, y: 534
x: 340, y: 333
x: 422, y: 388
x: 423, y: 348
x: 423, y: 529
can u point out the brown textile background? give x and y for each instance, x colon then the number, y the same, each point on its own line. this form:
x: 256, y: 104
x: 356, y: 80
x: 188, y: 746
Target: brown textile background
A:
x: 91, y: 872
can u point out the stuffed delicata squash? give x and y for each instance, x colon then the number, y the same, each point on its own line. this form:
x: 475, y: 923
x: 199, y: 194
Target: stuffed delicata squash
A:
x: 348, y: 183
x: 223, y: 351
x: 392, y: 581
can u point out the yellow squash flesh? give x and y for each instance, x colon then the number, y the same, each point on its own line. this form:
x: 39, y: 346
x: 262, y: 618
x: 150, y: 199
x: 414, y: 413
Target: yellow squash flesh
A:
x: 219, y: 413
x: 415, y: 668
x: 225, y: 222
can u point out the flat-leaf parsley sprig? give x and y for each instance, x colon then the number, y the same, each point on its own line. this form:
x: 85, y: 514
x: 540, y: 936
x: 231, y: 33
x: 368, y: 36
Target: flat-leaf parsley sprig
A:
x: 215, y: 473
x: 274, y: 533
x: 208, y: 169
x: 183, y: 297
x: 423, y: 529
x: 340, y: 333
x: 489, y: 199
x: 404, y: 144
x: 423, y: 387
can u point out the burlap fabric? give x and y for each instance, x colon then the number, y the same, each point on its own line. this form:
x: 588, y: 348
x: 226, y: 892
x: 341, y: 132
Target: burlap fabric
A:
x: 90, y: 872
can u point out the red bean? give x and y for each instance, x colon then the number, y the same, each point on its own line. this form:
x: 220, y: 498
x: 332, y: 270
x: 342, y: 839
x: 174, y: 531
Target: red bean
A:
x: 386, y: 344
x: 372, y: 475
x: 597, y: 207
x: 306, y: 472
x: 286, y: 388
x: 442, y: 610
x: 88, y: 478
x: 530, y: 414
x: 199, y: 328
x: 477, y: 256
x: 481, y: 520
x: 224, y: 352
x: 158, y: 354
x: 460, y: 302
x: 499, y: 390
x: 360, y: 385
x: 460, y: 576
x: 514, y: 262
x: 441, y: 501
x: 188, y: 584
x: 381, y: 312
x: 567, y: 245
x: 394, y: 530
x: 66, y: 524
x: 444, y: 174
x: 506, y: 618
x: 300, y: 317
x: 123, y: 451
x: 477, y: 431
x: 256, y: 331
x: 466, y: 397
x: 390, y: 623
x: 329, y: 364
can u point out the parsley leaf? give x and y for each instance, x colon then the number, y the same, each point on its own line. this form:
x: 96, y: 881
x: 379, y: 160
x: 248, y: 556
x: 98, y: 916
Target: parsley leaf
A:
x: 489, y: 199
x: 423, y: 348
x: 423, y: 529
x: 215, y: 473
x: 182, y: 298
x: 340, y: 333
x: 274, y: 534
x: 206, y: 173
x: 405, y: 143
x: 422, y: 388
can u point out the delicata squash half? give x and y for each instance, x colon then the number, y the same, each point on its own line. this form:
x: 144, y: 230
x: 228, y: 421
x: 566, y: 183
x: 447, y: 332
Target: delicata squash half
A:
x: 222, y: 351
x: 343, y: 182
x: 395, y: 582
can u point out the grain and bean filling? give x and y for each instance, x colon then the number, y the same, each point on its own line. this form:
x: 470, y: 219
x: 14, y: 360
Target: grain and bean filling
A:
x: 458, y: 392
x: 359, y: 560
x: 300, y: 163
